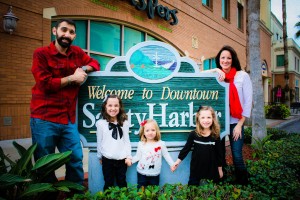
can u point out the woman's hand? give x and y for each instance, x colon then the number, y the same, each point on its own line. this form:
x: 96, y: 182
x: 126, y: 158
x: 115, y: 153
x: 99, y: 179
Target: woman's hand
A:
x: 237, y: 131
x: 221, y: 74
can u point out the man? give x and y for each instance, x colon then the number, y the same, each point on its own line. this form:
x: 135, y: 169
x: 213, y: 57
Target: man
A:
x: 58, y: 71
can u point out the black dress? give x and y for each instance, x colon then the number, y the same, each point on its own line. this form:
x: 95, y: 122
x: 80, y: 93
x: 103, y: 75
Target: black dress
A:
x: 206, y: 157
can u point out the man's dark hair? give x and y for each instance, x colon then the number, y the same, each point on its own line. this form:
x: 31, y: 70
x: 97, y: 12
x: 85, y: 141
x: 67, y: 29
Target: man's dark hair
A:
x: 69, y: 21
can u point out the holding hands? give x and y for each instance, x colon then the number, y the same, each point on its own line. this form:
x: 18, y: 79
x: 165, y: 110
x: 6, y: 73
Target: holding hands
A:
x: 174, y: 167
x: 128, y: 162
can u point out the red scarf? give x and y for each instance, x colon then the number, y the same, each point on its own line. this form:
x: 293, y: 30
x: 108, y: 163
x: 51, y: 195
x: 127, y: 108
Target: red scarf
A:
x: 234, y: 101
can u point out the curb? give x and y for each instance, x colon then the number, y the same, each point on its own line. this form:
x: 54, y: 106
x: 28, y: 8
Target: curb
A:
x: 288, y: 122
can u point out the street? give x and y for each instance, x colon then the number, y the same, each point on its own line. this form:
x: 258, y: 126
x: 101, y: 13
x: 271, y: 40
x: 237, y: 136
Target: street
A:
x: 293, y: 127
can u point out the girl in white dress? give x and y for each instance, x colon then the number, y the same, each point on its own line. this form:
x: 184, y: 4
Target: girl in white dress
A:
x: 149, y: 153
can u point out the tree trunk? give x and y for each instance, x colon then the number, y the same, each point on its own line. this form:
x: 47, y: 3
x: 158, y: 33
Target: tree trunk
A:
x: 286, y: 57
x: 259, y: 130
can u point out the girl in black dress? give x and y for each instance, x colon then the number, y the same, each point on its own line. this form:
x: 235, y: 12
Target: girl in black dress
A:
x: 206, y: 162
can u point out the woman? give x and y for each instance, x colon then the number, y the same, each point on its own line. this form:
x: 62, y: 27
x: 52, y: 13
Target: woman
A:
x: 240, y: 103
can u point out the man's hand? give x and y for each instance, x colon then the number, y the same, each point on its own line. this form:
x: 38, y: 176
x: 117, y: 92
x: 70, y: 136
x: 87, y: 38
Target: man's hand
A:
x: 79, y: 76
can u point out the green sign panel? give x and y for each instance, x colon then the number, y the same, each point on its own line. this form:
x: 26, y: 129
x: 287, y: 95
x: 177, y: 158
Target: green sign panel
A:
x: 153, y: 81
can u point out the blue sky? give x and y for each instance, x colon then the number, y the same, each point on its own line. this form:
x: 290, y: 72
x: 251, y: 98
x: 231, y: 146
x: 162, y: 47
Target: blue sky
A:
x: 293, y: 11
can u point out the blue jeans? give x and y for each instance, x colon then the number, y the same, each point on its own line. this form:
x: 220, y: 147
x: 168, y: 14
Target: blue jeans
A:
x: 65, y: 137
x: 237, y: 149
x: 144, y: 180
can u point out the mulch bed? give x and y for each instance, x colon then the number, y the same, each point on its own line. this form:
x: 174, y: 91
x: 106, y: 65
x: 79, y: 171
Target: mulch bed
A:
x: 247, y: 153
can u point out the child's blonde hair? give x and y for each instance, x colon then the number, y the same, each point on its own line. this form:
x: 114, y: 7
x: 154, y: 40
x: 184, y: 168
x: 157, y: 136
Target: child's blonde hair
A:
x: 215, y: 127
x: 142, y: 129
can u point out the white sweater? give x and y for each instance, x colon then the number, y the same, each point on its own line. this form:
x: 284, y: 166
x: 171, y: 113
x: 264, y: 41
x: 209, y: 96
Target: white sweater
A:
x: 243, y: 85
x: 110, y: 148
x: 149, y: 156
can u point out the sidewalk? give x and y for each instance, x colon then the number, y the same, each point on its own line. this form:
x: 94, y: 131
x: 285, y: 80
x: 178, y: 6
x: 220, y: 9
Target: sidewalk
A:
x: 10, y: 150
x: 279, y: 123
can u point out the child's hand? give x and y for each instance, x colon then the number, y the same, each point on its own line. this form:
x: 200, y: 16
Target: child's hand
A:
x: 174, y: 167
x: 220, y: 172
x: 100, y: 161
x: 128, y: 162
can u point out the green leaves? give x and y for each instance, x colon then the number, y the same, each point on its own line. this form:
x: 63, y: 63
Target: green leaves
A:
x: 277, y: 111
x: 178, y: 191
x: 51, y: 159
x: 34, y: 189
x: 22, y: 163
x: 275, y: 173
x: 24, y: 179
x: 12, y: 178
x: 69, y: 185
x: 50, y: 163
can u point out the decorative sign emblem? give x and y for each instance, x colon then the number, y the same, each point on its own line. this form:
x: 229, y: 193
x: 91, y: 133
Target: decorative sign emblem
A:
x: 153, y: 63
x: 153, y: 81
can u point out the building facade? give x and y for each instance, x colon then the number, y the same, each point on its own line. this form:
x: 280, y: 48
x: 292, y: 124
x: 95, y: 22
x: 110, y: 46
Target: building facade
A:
x: 278, y: 70
x: 106, y: 29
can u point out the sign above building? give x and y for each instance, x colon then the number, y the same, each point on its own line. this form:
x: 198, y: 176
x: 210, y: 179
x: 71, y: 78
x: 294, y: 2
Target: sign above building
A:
x: 153, y: 81
x: 152, y: 7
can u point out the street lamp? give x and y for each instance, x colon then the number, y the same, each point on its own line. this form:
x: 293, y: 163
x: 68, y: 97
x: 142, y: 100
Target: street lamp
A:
x: 9, y: 21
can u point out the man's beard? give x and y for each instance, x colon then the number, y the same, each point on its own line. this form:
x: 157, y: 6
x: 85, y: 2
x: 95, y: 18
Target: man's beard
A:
x: 64, y: 44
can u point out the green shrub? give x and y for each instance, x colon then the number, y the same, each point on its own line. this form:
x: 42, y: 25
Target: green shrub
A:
x: 275, y: 175
x: 24, y: 179
x: 277, y: 171
x: 286, y: 151
x: 259, y: 146
x: 247, y: 135
x: 277, y: 111
x: 275, y: 133
x: 177, y: 191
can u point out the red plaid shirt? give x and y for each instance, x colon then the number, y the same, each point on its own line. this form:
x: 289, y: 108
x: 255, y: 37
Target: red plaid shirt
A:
x: 49, y: 101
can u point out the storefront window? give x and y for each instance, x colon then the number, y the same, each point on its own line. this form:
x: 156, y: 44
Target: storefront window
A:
x: 240, y: 14
x: 297, y: 90
x: 280, y: 60
x: 106, y: 39
x: 131, y: 38
x: 151, y: 38
x: 225, y: 9
x: 207, y: 3
x: 103, y: 60
x: 81, y: 30
x: 209, y: 64
x: 103, y: 34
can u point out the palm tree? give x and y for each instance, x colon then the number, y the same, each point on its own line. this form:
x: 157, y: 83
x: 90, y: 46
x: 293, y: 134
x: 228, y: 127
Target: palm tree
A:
x: 297, y: 25
x: 259, y: 129
x: 286, y: 59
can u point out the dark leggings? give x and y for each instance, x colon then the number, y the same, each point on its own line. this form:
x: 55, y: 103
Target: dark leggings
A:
x: 114, y: 169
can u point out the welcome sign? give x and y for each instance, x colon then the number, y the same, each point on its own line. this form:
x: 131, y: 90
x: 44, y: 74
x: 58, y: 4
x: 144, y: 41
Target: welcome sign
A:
x: 153, y: 81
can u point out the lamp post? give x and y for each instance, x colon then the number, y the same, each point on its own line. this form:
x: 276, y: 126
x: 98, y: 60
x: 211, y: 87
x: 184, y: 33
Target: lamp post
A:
x: 9, y: 21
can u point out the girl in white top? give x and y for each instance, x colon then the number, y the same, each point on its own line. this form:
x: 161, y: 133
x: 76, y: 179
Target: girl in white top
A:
x: 149, y: 154
x: 113, y: 144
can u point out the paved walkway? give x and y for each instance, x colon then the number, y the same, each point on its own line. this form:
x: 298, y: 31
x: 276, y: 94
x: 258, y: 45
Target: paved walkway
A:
x: 10, y: 150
